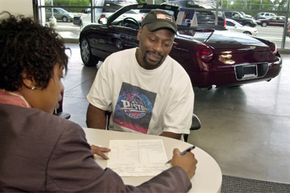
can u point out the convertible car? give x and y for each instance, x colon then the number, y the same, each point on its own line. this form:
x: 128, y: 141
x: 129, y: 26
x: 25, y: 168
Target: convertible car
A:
x: 210, y: 57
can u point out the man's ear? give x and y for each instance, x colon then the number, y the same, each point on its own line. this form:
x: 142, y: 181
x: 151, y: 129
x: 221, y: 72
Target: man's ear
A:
x: 139, y: 34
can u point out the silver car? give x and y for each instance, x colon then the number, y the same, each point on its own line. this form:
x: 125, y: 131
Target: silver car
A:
x: 59, y: 13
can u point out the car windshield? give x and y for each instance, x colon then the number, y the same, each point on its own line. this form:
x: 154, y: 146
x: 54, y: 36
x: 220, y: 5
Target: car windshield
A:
x: 133, y: 13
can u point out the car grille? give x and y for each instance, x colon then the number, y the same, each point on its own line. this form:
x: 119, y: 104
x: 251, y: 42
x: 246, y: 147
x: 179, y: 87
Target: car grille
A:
x: 251, y: 71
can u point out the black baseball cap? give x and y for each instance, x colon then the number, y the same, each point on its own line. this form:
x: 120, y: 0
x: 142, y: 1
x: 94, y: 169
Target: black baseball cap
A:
x: 159, y: 19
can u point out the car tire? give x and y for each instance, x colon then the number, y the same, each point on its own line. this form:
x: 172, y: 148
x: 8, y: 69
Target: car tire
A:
x: 64, y: 19
x: 86, y: 53
x: 264, y: 24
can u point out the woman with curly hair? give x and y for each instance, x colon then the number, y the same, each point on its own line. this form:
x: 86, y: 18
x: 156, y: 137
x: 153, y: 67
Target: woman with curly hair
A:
x: 41, y: 152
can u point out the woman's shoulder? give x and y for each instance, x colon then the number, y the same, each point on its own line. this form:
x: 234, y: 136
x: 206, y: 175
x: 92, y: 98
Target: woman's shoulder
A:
x: 39, y: 121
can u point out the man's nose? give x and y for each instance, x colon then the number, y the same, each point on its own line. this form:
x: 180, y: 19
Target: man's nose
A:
x: 158, y: 46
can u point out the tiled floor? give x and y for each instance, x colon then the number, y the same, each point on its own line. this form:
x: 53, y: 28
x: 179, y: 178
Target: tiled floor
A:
x: 246, y: 129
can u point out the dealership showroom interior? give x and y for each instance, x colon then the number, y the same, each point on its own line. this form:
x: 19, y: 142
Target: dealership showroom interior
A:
x: 236, y: 54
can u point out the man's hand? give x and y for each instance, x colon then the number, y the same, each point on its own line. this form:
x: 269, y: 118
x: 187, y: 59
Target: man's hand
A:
x: 187, y: 162
x: 100, y: 151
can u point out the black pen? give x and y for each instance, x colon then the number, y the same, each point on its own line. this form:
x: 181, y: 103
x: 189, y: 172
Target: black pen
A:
x: 183, y: 152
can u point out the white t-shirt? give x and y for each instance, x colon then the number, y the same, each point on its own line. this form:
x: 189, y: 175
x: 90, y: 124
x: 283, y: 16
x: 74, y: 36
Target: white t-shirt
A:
x: 146, y: 101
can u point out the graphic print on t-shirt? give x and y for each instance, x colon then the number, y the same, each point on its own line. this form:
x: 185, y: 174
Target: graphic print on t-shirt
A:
x: 134, y: 108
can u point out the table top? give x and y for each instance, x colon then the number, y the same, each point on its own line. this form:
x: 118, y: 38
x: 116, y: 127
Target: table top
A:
x: 207, y: 178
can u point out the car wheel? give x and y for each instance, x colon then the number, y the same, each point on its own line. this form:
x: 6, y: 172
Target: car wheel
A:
x: 86, y: 53
x: 64, y: 19
x: 264, y: 24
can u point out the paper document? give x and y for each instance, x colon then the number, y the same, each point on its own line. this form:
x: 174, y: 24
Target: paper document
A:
x: 137, y: 157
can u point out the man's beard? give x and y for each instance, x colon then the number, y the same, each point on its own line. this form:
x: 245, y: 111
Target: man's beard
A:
x: 150, y: 64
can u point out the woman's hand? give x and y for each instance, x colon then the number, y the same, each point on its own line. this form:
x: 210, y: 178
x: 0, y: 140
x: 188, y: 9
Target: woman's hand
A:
x: 100, y: 151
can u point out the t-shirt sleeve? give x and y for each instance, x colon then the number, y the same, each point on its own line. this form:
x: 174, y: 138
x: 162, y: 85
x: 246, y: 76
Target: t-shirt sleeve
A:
x: 72, y: 168
x: 178, y: 115
x: 100, y: 94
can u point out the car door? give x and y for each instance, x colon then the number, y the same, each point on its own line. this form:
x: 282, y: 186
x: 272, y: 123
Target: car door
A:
x: 124, y: 37
x: 123, y: 31
x: 112, y: 38
x: 231, y: 26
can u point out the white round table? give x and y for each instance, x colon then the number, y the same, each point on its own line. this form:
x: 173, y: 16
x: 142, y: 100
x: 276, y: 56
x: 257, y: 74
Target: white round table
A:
x: 207, y: 178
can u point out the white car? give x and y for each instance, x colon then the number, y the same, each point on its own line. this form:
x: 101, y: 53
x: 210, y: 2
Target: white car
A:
x: 59, y: 14
x: 104, y: 9
x: 233, y: 25
x: 101, y: 17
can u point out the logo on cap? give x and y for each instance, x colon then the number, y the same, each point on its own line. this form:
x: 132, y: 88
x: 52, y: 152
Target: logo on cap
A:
x: 159, y: 19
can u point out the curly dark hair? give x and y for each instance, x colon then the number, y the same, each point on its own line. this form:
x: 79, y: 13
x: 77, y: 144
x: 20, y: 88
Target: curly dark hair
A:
x: 26, y: 46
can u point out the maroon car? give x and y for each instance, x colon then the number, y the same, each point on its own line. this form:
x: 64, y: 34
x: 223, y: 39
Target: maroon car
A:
x: 210, y: 57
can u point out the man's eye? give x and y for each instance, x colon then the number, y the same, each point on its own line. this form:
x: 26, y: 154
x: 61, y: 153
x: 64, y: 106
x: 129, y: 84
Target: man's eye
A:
x: 168, y: 44
x: 152, y: 39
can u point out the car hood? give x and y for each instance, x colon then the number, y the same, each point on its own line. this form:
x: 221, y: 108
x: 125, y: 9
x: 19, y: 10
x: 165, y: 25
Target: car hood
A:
x: 230, y: 40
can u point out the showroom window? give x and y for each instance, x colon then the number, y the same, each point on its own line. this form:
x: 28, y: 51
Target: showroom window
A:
x: 269, y: 17
x: 69, y: 16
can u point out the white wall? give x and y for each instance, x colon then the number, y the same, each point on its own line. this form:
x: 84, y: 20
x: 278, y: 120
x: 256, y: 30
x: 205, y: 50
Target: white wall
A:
x: 23, y: 7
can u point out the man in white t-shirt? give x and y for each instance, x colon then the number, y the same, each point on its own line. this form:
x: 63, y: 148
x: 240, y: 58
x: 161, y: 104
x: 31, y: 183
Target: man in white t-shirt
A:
x: 145, y: 89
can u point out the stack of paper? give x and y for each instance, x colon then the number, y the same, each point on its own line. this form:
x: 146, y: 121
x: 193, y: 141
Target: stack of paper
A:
x: 137, y: 157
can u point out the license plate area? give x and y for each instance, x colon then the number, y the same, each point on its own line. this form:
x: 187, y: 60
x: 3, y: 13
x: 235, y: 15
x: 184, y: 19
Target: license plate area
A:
x: 245, y: 72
